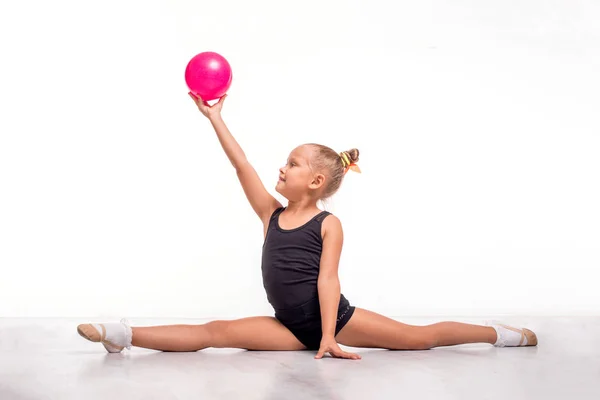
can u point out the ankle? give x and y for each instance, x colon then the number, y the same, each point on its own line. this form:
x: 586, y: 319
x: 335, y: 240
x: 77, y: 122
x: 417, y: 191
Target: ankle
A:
x: 492, y: 337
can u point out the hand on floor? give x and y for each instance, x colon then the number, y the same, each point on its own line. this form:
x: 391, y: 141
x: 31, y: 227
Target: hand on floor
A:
x: 330, y: 346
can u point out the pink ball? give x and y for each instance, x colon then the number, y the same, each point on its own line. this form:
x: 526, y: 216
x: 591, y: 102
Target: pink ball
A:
x: 208, y: 75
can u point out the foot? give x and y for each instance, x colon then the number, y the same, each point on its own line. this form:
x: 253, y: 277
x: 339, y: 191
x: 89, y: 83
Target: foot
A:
x: 508, y: 336
x: 114, y: 336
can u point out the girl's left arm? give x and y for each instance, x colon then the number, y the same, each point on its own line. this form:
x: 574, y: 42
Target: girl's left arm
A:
x: 328, y: 282
x: 329, y: 288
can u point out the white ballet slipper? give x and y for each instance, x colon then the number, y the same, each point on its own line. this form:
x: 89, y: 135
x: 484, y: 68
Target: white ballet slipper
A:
x: 113, y: 336
x: 509, y: 336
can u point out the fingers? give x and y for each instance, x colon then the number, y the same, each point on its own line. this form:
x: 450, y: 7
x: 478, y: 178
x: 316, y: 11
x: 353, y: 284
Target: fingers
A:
x: 352, y: 356
x: 198, y: 99
x: 218, y: 104
x: 345, y: 354
x: 338, y: 354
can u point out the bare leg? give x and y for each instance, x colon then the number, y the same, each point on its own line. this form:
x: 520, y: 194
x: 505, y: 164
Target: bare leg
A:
x: 368, y: 329
x: 453, y: 333
x: 254, y: 333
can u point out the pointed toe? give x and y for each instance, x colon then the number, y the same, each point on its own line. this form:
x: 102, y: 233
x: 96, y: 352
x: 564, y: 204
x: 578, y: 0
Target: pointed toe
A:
x: 87, y: 331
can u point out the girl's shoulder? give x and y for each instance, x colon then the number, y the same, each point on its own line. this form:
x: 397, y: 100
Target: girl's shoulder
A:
x: 331, y: 225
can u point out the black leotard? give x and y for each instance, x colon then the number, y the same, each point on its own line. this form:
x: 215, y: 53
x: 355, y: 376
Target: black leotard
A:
x: 290, y: 269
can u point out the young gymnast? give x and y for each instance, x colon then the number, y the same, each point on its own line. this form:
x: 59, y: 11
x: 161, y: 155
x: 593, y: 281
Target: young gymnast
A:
x: 301, y: 251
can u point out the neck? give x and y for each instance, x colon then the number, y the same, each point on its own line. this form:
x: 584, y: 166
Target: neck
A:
x: 301, y: 206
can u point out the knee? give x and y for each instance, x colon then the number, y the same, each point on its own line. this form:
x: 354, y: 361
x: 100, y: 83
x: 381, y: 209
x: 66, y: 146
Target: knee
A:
x: 424, y: 339
x: 422, y: 344
x: 216, y: 332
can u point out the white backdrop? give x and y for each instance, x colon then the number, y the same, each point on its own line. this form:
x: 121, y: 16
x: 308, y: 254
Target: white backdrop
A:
x: 477, y: 124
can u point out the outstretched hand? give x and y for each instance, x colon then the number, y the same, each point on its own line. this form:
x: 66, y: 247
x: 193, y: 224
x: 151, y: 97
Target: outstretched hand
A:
x: 330, y: 346
x: 206, y: 109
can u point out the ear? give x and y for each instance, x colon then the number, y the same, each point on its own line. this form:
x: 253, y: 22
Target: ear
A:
x: 317, y: 182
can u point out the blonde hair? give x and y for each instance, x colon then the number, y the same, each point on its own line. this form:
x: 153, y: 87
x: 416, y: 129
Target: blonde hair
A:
x: 331, y: 163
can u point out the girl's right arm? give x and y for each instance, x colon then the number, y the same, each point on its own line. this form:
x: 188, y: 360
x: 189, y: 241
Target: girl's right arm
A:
x: 261, y: 201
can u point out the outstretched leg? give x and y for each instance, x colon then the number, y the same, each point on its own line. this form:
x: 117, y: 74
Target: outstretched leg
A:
x: 369, y: 329
x: 253, y: 333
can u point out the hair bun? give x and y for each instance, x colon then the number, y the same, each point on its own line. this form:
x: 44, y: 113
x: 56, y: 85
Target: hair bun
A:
x: 352, y: 154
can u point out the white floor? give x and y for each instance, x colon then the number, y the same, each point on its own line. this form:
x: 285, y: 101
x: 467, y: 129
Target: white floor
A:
x: 46, y: 359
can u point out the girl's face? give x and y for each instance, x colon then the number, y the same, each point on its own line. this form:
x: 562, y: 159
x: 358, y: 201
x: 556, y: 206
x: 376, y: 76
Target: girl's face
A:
x: 296, y: 178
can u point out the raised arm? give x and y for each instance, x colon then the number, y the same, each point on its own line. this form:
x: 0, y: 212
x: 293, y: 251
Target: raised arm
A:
x: 261, y: 201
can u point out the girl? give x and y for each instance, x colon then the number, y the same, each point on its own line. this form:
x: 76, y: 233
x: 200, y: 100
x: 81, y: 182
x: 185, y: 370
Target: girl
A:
x: 301, y: 251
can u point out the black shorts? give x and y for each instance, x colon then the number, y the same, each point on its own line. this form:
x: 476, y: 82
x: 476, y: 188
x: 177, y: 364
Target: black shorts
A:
x: 304, y: 321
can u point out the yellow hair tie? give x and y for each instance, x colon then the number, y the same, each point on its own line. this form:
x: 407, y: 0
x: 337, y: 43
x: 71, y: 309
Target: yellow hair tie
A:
x: 345, y: 159
x: 348, y: 165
